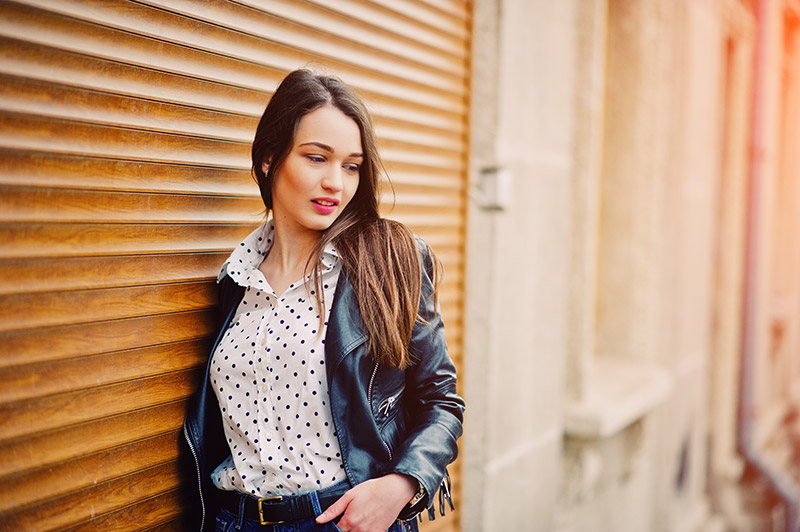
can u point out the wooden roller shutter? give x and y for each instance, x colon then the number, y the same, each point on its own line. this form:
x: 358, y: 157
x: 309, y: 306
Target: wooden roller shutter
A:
x: 124, y: 140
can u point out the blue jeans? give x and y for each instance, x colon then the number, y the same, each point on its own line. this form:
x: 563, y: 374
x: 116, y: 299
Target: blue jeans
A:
x: 228, y: 521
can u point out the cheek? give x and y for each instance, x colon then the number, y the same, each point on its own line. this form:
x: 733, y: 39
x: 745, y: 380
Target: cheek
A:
x: 351, y: 190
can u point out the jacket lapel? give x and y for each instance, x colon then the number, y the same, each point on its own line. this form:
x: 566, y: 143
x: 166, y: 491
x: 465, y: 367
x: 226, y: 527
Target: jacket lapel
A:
x: 345, y: 330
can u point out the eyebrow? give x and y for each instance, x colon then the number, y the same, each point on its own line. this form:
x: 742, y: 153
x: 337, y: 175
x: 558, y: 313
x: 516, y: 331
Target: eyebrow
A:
x: 328, y: 148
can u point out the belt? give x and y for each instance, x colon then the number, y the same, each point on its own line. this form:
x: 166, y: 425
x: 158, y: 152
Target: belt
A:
x: 279, y: 508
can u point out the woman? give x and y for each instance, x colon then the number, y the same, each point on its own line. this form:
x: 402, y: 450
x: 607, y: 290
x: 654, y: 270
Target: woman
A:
x: 330, y: 400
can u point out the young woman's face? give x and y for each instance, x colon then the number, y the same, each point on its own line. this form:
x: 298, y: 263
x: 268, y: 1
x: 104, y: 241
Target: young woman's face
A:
x: 320, y: 174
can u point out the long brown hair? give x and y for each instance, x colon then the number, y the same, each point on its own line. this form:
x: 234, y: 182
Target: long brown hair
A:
x: 379, y: 256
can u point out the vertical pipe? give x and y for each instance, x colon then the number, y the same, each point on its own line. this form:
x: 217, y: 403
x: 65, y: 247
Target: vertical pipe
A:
x: 782, y: 484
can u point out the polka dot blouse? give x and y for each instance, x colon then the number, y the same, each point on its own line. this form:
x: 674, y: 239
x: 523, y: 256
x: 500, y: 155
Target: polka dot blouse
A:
x: 268, y: 373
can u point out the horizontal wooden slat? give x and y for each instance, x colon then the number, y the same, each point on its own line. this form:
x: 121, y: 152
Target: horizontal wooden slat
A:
x: 22, y: 311
x: 53, y: 170
x: 49, y: 100
x: 60, y: 239
x: 61, y: 376
x: 241, y: 33
x: 445, y: 236
x: 385, y: 106
x: 41, y: 98
x: 424, y: 13
x: 52, y: 447
x: 41, y: 61
x: 410, y: 180
x: 427, y: 221
x: 413, y: 134
x: 26, y: 345
x: 420, y: 199
x: 363, y: 32
x: 36, y: 204
x: 42, y: 239
x: 175, y: 525
x: 243, y: 61
x: 393, y: 152
x: 45, y: 274
x: 420, y: 30
x: 66, y: 136
x: 353, y: 14
x: 133, y: 518
x: 105, y: 497
x: 301, y: 33
x: 42, y: 484
x: 47, y: 413
x: 458, y: 9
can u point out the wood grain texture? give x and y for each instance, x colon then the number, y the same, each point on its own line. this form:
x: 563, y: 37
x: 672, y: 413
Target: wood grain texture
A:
x: 22, y: 311
x: 35, y: 204
x: 101, y: 498
x: 31, y: 416
x: 202, y: 52
x: 62, y: 342
x: 24, y: 239
x: 47, y: 274
x: 144, y: 514
x: 56, y: 446
x: 43, y: 168
x: 39, y: 485
x: 41, y: 379
x: 125, y: 181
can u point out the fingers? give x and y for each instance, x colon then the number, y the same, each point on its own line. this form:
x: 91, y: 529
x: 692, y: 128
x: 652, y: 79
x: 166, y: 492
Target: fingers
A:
x: 335, y: 509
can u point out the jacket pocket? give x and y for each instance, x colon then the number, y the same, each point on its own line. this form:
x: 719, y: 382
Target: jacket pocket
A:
x: 394, y: 430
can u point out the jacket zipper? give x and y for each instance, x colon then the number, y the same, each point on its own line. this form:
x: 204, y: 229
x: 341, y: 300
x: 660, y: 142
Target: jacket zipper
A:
x: 199, y: 479
x: 388, y: 450
x: 371, y: 382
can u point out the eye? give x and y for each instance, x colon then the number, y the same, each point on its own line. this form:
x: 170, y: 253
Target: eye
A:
x: 316, y: 158
x: 351, y: 167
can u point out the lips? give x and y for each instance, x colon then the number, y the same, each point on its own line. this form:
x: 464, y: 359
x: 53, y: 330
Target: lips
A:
x: 325, y: 205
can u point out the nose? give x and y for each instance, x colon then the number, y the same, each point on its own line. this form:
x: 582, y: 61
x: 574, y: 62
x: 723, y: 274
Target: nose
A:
x: 333, y: 180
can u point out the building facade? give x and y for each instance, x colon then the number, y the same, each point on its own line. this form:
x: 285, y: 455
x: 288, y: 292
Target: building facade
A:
x: 631, y: 351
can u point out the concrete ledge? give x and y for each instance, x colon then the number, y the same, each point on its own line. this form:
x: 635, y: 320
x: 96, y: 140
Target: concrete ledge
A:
x: 619, y: 393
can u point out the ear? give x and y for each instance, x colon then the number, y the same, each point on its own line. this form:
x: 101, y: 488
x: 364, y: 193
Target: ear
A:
x: 265, y: 167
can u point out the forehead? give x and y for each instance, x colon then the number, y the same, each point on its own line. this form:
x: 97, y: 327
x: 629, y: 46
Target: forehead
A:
x: 329, y: 126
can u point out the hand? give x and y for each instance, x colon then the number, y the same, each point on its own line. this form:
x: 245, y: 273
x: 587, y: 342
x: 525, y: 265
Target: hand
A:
x: 372, y: 506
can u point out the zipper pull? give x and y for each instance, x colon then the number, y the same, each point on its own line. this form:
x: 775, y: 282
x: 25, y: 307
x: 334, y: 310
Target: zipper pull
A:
x: 386, y: 405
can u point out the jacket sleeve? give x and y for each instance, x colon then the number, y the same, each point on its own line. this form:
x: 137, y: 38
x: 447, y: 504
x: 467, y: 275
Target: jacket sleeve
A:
x: 436, y: 409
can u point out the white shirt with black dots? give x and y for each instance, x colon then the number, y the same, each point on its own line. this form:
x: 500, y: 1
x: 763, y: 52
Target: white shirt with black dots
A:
x: 268, y: 373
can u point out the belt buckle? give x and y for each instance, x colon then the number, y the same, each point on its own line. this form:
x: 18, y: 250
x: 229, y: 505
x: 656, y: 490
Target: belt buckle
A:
x: 261, y: 513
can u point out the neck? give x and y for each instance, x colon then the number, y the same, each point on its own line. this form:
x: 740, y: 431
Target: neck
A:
x: 291, y: 249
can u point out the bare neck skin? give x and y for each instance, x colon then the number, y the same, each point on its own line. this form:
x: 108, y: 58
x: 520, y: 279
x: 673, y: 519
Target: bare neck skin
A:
x: 287, y: 259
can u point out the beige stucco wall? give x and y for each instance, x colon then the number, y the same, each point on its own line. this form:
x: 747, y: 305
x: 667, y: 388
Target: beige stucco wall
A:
x: 604, y: 300
x: 518, y: 263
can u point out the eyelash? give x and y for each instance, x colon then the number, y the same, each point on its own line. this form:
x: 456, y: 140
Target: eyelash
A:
x: 318, y: 159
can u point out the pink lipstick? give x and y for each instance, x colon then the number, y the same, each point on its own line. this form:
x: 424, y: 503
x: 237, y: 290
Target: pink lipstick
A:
x: 325, y: 205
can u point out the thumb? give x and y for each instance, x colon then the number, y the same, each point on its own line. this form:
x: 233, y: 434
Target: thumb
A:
x: 334, y: 509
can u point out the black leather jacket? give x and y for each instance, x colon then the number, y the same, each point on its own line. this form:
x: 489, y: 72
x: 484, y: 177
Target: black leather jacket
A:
x: 387, y: 420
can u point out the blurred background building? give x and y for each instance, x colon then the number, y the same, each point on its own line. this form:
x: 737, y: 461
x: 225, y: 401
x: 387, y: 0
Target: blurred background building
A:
x: 613, y: 187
